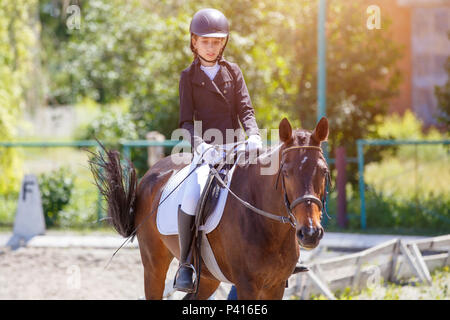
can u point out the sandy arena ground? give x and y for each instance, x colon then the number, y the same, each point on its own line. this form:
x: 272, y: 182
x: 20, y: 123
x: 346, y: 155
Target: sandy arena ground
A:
x: 70, y: 273
x: 80, y: 273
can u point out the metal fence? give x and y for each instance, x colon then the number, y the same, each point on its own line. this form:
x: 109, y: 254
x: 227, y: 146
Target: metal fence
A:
x: 127, y: 146
x: 361, y: 165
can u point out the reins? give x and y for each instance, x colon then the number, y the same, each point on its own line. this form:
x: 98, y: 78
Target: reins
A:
x: 283, y: 219
x: 133, y: 234
x: 215, y: 171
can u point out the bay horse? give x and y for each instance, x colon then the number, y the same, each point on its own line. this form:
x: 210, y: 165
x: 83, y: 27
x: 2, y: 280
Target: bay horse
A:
x: 255, y: 253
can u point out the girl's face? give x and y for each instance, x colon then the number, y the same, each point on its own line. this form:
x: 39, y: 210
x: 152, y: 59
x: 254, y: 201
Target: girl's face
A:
x: 209, y: 48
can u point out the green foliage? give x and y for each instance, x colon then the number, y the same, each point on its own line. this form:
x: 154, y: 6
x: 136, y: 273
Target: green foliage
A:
x: 405, y: 127
x: 112, y: 124
x: 393, y: 212
x: 56, y: 190
x: 16, y: 37
x: 361, y: 70
x: 409, y: 127
x: 404, y: 289
x: 10, y: 169
x: 406, y: 191
x: 82, y: 209
x: 114, y: 57
x: 274, y: 43
x: 415, y: 214
x: 8, y: 206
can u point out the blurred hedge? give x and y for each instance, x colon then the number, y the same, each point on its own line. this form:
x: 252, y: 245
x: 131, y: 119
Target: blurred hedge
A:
x: 16, y: 38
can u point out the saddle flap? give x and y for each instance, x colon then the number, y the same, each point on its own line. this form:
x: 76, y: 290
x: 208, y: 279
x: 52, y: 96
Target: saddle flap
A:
x: 167, y: 217
x: 210, y: 195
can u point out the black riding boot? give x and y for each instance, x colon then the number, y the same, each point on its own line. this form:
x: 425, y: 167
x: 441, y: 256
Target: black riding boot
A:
x: 183, y: 278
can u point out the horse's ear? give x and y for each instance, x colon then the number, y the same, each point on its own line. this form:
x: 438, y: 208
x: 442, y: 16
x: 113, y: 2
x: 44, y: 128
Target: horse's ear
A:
x: 320, y: 133
x: 285, y: 130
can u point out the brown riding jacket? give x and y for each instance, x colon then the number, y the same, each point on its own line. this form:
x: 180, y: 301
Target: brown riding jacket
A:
x: 220, y: 103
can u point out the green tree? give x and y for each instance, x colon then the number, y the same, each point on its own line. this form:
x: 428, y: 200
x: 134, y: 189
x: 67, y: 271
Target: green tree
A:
x: 136, y: 50
x: 279, y: 57
x: 361, y: 67
x: 16, y: 37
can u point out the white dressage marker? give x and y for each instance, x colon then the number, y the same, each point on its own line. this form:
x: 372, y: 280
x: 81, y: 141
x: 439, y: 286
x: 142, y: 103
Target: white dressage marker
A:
x: 29, y: 220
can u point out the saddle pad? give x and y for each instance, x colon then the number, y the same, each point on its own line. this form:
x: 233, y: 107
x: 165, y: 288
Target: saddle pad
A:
x: 167, y: 215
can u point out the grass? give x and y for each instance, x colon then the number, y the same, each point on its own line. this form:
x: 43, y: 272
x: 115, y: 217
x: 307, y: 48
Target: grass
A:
x: 405, y: 290
x: 406, y: 193
x: 408, y: 179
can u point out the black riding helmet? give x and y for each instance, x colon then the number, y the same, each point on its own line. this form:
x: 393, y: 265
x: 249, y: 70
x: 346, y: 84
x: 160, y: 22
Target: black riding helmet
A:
x: 209, y: 23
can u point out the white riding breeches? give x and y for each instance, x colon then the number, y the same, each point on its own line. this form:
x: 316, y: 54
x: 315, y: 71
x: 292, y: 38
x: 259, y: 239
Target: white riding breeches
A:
x: 194, y: 185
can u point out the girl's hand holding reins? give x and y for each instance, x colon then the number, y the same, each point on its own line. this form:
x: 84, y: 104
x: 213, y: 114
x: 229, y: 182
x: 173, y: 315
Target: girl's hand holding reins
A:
x: 209, y: 153
x: 254, y: 143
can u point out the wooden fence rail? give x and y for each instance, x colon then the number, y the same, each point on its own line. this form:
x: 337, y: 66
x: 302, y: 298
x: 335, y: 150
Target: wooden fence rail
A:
x: 392, y: 260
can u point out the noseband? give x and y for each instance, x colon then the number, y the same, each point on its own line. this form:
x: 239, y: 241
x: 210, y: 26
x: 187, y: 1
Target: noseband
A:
x: 308, y: 198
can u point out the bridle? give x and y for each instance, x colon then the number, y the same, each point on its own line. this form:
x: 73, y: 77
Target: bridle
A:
x: 308, y: 198
x: 289, y: 206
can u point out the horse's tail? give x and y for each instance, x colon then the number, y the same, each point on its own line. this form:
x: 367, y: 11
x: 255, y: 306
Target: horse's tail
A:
x: 117, y: 182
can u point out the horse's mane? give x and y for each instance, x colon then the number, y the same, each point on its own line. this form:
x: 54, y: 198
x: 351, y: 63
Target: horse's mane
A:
x: 300, y: 135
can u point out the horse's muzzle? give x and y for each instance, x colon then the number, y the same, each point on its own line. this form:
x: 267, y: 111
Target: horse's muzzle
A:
x: 309, y: 237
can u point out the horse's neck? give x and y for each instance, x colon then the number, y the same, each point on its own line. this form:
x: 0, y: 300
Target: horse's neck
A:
x: 269, y: 197
x: 263, y: 178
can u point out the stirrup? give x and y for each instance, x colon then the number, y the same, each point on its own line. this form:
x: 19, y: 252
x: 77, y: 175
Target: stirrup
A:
x: 190, y: 266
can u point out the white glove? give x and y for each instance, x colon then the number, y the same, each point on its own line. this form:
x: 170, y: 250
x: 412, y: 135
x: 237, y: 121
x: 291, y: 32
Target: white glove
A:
x: 210, y: 154
x: 254, y: 143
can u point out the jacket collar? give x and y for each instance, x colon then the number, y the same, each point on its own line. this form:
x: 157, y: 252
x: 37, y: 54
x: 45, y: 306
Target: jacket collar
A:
x: 223, y: 75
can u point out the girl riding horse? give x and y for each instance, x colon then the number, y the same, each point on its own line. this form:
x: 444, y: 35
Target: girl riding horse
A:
x: 213, y: 94
x: 257, y: 243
